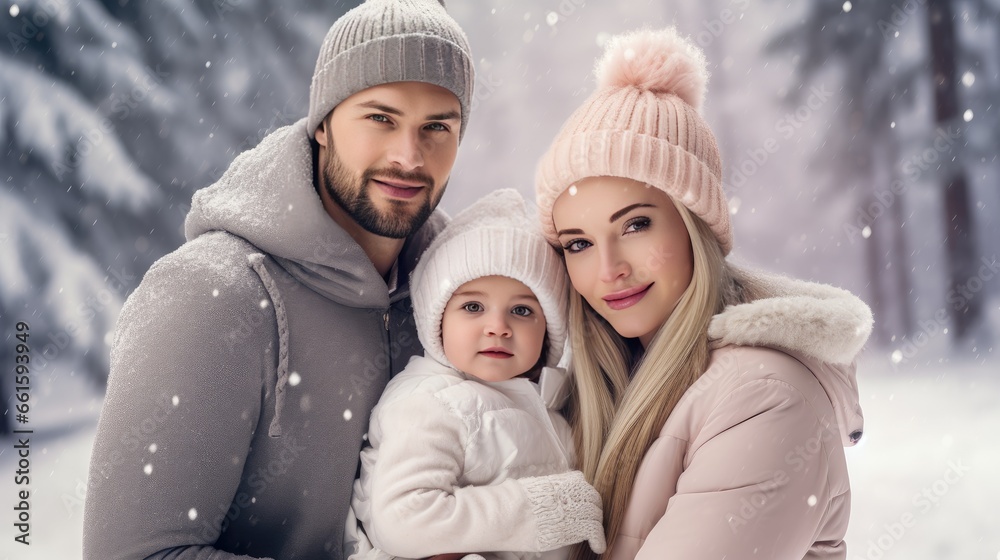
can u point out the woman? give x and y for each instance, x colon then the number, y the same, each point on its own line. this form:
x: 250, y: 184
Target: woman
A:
x: 713, y: 403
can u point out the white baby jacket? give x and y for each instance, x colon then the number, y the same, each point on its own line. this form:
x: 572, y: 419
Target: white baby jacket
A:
x: 445, y: 451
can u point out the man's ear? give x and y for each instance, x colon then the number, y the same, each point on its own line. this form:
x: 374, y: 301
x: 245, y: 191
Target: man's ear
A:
x: 320, y: 133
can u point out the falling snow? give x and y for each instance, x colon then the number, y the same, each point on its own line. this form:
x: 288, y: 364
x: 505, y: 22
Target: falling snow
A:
x: 186, y: 129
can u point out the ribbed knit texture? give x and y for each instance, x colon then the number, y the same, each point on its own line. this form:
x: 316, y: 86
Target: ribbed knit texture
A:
x: 567, y: 510
x: 493, y: 237
x: 384, y: 41
x: 642, y: 123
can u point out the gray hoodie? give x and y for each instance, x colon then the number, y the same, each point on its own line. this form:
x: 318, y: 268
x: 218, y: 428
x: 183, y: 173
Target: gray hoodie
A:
x: 243, y: 372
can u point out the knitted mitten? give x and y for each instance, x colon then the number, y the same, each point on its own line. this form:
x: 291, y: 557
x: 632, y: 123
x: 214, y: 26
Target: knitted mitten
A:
x: 568, y: 510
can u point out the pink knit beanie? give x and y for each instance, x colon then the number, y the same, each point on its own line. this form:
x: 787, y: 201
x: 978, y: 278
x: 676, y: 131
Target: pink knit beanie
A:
x: 642, y: 123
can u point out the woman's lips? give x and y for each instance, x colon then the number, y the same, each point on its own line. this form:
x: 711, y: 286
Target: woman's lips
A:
x: 626, y: 298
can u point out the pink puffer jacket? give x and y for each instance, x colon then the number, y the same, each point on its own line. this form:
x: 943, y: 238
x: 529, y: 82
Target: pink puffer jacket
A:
x: 750, y: 463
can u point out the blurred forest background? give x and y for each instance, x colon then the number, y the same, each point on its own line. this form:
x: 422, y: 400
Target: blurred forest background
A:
x: 860, y: 148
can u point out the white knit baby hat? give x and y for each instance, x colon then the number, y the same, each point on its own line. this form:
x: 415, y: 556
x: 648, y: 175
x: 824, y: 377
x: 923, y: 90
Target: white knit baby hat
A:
x: 496, y: 236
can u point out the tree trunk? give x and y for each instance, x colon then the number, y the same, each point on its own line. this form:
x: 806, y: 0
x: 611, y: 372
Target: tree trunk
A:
x: 900, y: 255
x: 878, y: 296
x: 960, y: 242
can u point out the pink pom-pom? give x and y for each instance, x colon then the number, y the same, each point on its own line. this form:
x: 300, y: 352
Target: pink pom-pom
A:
x: 657, y: 61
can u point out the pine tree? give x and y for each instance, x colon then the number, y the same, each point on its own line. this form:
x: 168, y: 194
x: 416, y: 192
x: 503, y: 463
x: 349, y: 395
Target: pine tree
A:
x: 879, y: 85
x: 112, y: 115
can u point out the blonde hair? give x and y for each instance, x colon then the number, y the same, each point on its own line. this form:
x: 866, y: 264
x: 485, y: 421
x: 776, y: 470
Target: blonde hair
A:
x: 618, y: 412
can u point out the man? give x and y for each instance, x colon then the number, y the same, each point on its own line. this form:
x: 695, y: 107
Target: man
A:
x: 247, y: 362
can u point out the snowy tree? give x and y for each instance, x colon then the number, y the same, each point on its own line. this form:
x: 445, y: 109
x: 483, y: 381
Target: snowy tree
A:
x: 112, y: 115
x: 883, y: 147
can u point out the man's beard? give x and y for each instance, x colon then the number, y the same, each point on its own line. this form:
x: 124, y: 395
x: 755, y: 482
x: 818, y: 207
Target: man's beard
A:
x: 354, y: 196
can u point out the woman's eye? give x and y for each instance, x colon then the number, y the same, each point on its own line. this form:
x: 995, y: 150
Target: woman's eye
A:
x: 576, y: 245
x: 473, y: 307
x: 636, y: 224
x: 522, y: 311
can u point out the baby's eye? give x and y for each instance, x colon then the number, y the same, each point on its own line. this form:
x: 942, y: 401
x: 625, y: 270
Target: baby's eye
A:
x: 473, y: 307
x: 522, y: 311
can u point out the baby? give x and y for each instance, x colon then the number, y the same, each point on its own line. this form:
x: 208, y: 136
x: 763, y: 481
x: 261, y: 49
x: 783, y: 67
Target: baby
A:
x: 468, y: 452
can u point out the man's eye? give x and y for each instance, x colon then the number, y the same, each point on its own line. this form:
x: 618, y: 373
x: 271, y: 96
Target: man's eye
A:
x: 379, y: 118
x: 472, y: 307
x: 438, y: 127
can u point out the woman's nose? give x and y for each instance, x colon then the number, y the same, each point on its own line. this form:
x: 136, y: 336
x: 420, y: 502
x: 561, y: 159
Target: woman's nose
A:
x: 612, y: 266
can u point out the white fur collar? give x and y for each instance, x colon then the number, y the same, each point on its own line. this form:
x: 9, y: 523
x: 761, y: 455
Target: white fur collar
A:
x: 817, y: 320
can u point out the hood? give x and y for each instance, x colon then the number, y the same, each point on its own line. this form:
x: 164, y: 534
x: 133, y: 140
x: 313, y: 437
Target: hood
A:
x: 267, y: 197
x: 822, y: 326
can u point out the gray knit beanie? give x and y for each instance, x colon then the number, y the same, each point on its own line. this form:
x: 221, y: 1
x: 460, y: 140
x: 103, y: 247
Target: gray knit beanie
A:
x: 384, y: 41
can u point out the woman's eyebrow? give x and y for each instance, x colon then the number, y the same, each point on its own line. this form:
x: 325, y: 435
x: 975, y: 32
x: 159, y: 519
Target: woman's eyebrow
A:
x: 627, y: 209
x: 614, y: 217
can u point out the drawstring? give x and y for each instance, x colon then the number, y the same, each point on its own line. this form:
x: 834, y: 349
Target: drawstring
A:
x: 257, y: 262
